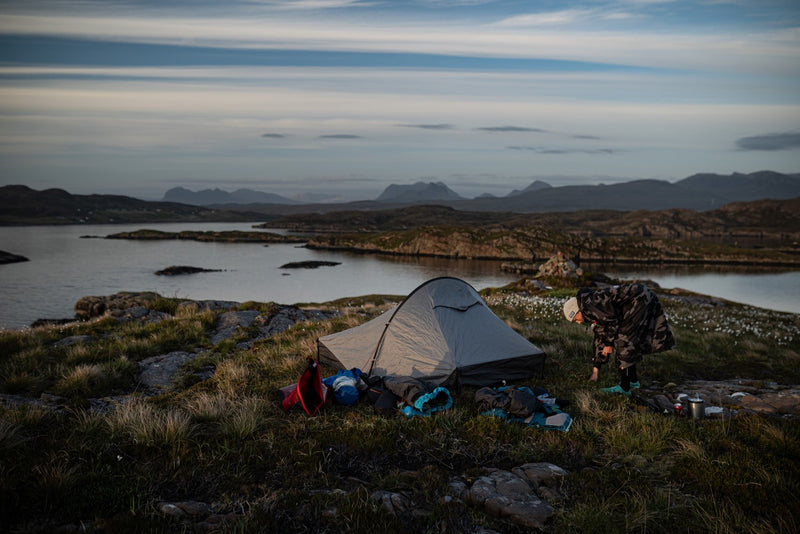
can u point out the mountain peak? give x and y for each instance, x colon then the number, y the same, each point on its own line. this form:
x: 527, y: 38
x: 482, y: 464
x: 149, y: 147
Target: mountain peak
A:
x: 418, y: 192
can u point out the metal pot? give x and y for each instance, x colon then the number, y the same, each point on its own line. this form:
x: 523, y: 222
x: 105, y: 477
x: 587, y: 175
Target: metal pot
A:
x: 696, y: 408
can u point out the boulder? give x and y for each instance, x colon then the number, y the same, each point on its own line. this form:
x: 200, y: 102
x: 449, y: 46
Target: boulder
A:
x: 508, y: 495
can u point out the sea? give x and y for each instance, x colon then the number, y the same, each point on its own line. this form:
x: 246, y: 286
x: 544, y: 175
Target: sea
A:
x: 72, y: 261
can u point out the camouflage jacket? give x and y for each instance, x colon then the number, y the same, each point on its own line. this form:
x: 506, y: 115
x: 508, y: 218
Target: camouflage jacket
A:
x: 627, y: 317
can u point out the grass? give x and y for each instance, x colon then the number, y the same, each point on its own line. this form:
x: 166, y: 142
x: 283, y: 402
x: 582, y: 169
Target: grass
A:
x: 226, y: 442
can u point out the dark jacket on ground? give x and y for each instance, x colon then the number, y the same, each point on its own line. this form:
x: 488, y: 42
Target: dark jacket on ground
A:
x: 627, y: 317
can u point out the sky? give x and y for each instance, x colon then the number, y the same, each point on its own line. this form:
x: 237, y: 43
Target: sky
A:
x: 340, y: 98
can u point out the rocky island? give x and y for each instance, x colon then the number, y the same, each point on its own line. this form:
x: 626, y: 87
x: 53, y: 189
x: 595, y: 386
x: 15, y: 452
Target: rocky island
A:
x: 174, y: 270
x: 7, y: 257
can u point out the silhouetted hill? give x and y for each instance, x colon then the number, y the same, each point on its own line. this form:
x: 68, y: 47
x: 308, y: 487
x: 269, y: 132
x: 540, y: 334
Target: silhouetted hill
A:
x: 721, y: 189
x: 418, y: 192
x: 208, y: 197
x: 699, y: 192
x: 20, y: 204
x: 537, y: 185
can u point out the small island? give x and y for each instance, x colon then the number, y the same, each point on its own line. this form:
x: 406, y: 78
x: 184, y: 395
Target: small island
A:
x: 309, y: 264
x: 173, y: 270
x: 7, y: 257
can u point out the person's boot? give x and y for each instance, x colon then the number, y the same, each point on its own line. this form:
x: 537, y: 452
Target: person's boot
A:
x: 616, y: 389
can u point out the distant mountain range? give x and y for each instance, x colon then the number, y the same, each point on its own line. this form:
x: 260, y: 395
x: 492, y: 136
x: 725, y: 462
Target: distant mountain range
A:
x: 697, y: 192
x: 701, y: 192
x: 209, y: 197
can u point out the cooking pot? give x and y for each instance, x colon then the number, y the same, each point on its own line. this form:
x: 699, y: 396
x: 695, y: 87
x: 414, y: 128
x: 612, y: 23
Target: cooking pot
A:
x: 696, y: 408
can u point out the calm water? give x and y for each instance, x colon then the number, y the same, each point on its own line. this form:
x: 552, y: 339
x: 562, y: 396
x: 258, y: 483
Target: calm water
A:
x: 64, y: 268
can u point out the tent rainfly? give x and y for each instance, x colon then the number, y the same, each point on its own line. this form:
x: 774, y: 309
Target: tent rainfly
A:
x: 443, y: 332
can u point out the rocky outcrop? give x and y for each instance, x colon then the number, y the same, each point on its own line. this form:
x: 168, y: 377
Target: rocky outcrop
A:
x: 557, y: 266
x: 731, y: 398
x: 127, y: 305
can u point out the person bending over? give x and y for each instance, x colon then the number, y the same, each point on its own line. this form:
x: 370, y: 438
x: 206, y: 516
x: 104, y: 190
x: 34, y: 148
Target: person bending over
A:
x: 628, y: 321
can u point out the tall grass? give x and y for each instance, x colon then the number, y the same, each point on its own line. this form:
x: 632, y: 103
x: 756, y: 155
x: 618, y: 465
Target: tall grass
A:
x: 147, y: 426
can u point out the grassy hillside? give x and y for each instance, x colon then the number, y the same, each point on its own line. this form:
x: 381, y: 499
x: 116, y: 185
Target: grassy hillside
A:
x: 225, y: 442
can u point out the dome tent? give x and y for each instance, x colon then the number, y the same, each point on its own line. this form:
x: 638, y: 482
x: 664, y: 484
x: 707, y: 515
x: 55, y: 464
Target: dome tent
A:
x: 443, y: 332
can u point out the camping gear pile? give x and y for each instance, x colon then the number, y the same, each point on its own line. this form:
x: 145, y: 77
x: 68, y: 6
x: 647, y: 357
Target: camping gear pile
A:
x: 441, y: 336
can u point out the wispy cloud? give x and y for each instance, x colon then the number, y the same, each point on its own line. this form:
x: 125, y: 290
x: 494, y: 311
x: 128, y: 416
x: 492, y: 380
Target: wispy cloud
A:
x: 273, y: 136
x: 770, y: 142
x: 543, y: 150
x: 429, y: 126
x: 304, y: 5
x: 340, y: 136
x: 510, y: 129
x: 549, y: 18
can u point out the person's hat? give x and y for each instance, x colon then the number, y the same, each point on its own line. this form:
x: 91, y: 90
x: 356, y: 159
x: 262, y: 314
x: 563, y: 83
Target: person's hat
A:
x: 571, y: 308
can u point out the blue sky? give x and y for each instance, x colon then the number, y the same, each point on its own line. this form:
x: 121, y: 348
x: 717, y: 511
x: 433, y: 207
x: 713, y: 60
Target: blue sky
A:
x: 344, y: 97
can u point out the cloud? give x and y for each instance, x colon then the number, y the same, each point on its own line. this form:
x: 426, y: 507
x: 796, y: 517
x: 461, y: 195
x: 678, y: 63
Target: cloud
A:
x: 273, y: 136
x: 549, y: 18
x: 588, y: 137
x: 773, y: 141
x: 549, y: 151
x: 340, y: 136
x: 510, y: 129
x: 309, y: 4
x: 429, y: 126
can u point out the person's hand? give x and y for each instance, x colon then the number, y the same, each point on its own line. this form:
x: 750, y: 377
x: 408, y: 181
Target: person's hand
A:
x: 593, y: 378
x: 607, y: 350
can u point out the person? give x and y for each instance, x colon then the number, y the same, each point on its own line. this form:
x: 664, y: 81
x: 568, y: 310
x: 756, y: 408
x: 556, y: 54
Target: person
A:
x: 628, y: 321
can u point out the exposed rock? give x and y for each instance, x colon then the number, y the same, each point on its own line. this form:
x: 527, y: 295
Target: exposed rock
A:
x: 557, y: 266
x: 233, y: 323
x: 93, y: 306
x: 392, y: 502
x: 539, y: 473
x: 213, y: 305
x: 733, y: 398
x: 561, y: 267
x: 506, y: 494
x: 158, y: 371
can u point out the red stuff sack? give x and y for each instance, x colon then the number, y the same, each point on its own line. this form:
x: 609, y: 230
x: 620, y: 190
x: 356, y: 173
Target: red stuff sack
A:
x: 309, y: 391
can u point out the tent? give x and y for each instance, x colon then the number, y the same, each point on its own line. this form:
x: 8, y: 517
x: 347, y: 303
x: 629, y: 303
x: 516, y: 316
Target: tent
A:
x: 443, y: 332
